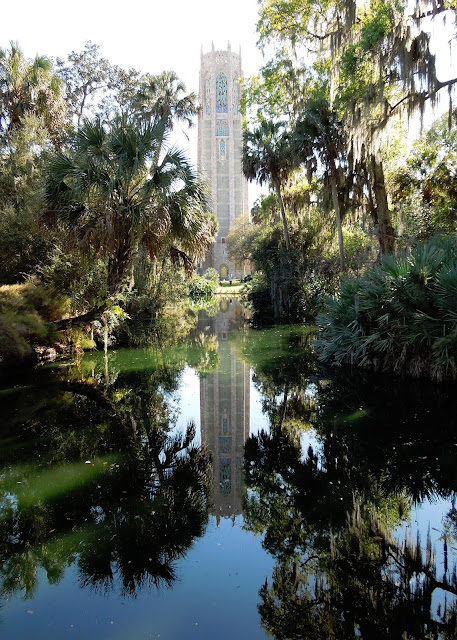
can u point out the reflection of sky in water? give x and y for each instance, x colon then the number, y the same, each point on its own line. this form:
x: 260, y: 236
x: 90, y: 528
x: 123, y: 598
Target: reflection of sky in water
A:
x: 428, y: 519
x: 187, y: 399
x: 219, y: 577
x: 218, y: 580
x: 258, y: 420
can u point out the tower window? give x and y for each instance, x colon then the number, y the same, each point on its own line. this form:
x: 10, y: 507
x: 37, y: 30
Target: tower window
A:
x: 222, y: 128
x: 235, y: 96
x: 222, y: 150
x: 221, y: 93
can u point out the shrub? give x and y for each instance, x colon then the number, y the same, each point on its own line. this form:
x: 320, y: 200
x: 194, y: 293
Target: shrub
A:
x: 212, y: 275
x: 23, y: 244
x: 26, y: 314
x: 400, y: 316
x: 200, y: 288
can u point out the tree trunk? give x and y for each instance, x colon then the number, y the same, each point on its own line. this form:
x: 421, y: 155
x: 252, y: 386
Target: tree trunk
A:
x: 336, y: 207
x: 283, y: 213
x: 131, y: 284
x: 386, y: 232
x: 282, y: 415
x: 119, y: 264
x: 84, y: 318
x: 118, y: 268
x: 105, y: 332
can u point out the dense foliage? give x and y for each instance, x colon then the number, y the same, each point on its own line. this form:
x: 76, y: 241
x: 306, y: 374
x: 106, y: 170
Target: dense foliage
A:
x: 95, y: 202
x: 424, y: 188
x: 400, y: 316
x: 340, y: 81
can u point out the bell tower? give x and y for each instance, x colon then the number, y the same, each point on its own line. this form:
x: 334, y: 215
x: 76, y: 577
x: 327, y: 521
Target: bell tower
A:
x: 219, y: 148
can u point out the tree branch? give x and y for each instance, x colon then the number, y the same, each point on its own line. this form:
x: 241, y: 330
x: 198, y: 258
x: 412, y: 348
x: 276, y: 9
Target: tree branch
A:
x: 425, y: 95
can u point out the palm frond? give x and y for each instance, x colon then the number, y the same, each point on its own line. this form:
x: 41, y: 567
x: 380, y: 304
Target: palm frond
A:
x: 400, y: 315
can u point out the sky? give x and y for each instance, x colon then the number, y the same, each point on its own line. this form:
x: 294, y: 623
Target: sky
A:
x: 151, y: 36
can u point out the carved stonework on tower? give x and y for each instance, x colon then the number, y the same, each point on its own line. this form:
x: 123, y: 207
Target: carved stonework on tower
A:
x: 219, y: 148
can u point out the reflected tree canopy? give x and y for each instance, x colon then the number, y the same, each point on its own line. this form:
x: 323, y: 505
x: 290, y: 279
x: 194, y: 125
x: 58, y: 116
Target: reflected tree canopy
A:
x: 96, y: 475
x: 330, y: 513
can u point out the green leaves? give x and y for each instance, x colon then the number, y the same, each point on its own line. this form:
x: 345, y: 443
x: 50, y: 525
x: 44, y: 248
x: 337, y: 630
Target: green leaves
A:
x: 125, y: 187
x: 29, y: 88
x: 400, y: 316
x: 376, y: 24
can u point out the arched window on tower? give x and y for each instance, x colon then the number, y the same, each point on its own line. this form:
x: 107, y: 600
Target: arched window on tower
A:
x: 222, y: 150
x: 221, y: 93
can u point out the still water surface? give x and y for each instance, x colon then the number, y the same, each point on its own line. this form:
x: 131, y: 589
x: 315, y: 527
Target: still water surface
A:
x: 224, y: 486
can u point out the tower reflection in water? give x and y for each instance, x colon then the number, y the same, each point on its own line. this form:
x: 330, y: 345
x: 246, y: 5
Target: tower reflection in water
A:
x: 224, y: 411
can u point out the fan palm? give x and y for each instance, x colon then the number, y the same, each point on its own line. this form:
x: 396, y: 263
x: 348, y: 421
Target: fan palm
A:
x: 164, y: 96
x: 28, y: 88
x: 401, y: 315
x: 267, y: 158
x: 110, y: 186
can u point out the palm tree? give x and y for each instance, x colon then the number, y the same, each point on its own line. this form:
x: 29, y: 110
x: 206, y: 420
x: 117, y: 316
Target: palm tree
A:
x: 164, y: 96
x: 29, y: 88
x: 317, y: 137
x: 110, y: 186
x: 267, y: 158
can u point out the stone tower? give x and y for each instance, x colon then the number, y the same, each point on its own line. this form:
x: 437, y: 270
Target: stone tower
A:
x: 219, y: 148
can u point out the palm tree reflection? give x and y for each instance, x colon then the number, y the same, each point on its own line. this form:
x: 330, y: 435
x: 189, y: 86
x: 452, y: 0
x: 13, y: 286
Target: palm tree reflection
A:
x: 96, y: 479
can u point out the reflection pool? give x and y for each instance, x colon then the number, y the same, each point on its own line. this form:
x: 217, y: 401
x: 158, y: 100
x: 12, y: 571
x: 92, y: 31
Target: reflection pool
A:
x: 222, y: 485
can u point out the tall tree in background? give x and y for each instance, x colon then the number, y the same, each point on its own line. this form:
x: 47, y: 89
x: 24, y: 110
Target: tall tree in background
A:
x: 164, y: 96
x: 379, y: 66
x: 267, y: 158
x: 318, y: 139
x: 88, y: 78
x: 29, y: 88
x: 32, y: 112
